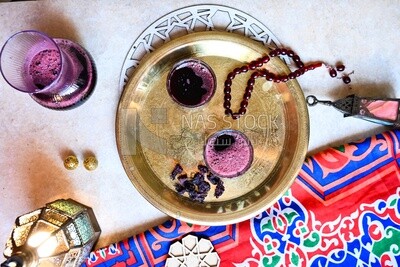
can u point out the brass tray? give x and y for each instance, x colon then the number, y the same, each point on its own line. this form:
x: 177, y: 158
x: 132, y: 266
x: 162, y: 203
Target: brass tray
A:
x: 154, y: 132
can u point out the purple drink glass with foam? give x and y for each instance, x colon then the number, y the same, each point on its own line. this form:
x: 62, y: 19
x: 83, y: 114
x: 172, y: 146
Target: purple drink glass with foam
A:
x: 228, y: 153
x: 57, y: 73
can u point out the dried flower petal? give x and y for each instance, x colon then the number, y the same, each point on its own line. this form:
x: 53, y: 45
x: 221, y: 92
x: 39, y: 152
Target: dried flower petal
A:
x: 177, y: 170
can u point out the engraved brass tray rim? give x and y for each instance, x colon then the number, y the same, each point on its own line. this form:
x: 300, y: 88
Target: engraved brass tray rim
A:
x: 227, y: 218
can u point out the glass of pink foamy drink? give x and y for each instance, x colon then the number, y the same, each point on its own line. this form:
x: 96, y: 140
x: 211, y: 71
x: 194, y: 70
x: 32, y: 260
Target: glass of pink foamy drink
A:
x: 228, y: 153
x: 57, y: 73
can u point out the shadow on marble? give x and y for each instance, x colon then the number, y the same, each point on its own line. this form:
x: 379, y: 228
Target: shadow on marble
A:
x: 382, y: 90
x: 56, y: 25
x: 42, y: 178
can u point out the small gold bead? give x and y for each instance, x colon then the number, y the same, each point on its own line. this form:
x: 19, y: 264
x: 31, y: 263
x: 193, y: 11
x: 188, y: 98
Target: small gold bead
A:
x: 90, y: 163
x: 71, y: 163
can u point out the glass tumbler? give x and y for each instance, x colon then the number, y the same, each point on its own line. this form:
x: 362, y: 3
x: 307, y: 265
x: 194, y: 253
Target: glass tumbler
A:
x: 57, y: 73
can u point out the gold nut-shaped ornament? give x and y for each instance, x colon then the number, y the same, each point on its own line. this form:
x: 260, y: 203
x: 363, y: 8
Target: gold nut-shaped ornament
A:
x: 90, y: 163
x: 71, y: 163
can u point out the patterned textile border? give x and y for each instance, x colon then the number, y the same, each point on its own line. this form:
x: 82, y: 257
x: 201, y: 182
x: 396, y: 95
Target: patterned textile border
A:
x: 343, y: 210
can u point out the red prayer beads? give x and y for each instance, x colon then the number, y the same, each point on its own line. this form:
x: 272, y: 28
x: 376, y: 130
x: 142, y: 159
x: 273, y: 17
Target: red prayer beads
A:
x: 269, y: 76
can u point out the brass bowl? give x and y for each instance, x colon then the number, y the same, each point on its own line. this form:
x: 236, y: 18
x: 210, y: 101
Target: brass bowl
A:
x: 154, y: 132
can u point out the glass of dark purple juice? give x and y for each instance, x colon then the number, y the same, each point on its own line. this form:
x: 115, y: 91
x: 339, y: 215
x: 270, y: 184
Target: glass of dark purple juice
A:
x: 191, y: 83
x: 57, y: 73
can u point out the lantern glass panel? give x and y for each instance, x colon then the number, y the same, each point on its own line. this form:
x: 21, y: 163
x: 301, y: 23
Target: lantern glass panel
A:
x: 41, y: 231
x: 52, y: 261
x: 29, y: 217
x: 84, y: 227
x: 72, y: 235
x: 54, y: 217
x: 66, y: 206
x: 72, y: 257
x: 21, y: 233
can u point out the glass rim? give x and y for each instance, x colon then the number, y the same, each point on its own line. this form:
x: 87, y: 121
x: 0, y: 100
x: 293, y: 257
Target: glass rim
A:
x: 47, y: 37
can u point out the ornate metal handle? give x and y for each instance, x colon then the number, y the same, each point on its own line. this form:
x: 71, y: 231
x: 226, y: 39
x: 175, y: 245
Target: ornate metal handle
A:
x: 312, y: 101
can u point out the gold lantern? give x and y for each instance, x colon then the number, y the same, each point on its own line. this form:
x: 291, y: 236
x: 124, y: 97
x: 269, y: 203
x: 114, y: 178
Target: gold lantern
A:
x: 60, y: 234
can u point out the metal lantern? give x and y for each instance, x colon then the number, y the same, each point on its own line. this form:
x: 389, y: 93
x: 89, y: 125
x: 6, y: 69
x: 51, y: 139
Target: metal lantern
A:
x: 383, y: 111
x: 60, y: 234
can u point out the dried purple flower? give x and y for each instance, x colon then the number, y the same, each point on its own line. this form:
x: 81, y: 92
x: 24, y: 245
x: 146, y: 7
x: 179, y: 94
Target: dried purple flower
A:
x: 213, y: 178
x: 196, y: 186
x: 196, y: 196
x: 182, y: 178
x: 202, y: 168
x: 189, y: 186
x: 219, y: 190
x: 198, y: 178
x: 177, y: 170
x: 180, y: 189
x: 203, y: 187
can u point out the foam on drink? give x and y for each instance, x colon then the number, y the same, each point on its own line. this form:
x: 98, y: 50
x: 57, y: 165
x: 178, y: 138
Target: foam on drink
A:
x: 228, y: 153
x: 45, y: 67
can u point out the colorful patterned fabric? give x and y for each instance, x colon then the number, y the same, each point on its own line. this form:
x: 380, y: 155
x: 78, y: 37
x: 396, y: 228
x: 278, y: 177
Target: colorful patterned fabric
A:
x: 343, y: 210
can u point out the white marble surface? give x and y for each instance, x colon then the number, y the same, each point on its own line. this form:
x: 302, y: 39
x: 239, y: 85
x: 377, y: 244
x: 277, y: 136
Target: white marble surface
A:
x: 362, y: 34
